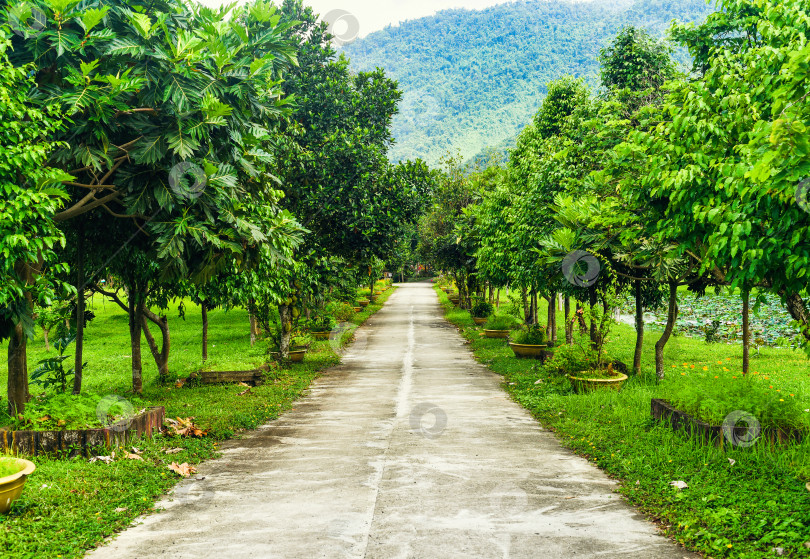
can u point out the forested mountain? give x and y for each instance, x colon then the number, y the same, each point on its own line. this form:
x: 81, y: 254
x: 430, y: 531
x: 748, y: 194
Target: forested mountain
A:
x: 472, y: 79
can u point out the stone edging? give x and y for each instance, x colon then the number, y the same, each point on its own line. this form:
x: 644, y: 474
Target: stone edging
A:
x: 82, y: 441
x: 661, y: 410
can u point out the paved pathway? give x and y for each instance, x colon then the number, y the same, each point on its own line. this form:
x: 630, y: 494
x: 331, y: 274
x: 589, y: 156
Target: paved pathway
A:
x: 409, y: 449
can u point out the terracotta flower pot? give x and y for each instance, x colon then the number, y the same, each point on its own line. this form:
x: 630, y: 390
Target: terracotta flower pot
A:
x: 321, y: 335
x: 584, y: 385
x: 357, y: 309
x: 298, y: 355
x: 480, y: 321
x: 528, y: 351
x: 11, y: 486
x: 497, y: 333
x: 363, y: 303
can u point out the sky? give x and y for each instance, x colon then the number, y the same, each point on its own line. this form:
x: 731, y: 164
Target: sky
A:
x: 351, y: 19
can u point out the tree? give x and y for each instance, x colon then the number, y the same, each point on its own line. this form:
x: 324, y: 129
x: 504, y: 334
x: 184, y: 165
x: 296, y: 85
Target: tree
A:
x: 332, y: 158
x: 32, y: 196
x: 161, y: 96
x: 636, y: 61
x: 737, y: 134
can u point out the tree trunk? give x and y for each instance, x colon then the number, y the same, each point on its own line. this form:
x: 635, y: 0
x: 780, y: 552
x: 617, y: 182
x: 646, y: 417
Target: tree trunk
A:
x: 583, y: 328
x: 746, y: 299
x: 285, y: 316
x: 254, y: 329
x: 639, y: 330
x: 796, y: 308
x: 77, y: 361
x: 45, y: 332
x: 498, y: 298
x: 592, y: 302
x: 17, y: 371
x: 551, y: 330
x: 17, y: 389
x: 672, y: 315
x: 569, y: 326
x: 161, y: 356
x: 527, y: 310
x: 135, y: 328
x: 204, y: 309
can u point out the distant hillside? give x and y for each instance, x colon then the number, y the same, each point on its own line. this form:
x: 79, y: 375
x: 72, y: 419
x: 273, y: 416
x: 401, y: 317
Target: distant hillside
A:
x: 472, y: 79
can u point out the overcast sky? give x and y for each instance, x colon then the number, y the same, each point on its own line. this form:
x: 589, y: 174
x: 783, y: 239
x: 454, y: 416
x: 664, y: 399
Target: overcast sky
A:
x: 358, y: 18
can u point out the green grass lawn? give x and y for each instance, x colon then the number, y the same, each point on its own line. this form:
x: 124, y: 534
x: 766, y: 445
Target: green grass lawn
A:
x: 69, y: 506
x: 740, y: 502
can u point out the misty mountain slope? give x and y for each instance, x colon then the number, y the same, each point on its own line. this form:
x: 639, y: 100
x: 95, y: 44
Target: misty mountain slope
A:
x: 472, y: 79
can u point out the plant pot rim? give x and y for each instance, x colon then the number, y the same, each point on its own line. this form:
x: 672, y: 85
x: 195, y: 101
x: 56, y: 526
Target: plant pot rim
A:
x: 27, y: 468
x: 501, y: 331
x: 530, y: 346
x: 617, y: 377
x: 303, y: 350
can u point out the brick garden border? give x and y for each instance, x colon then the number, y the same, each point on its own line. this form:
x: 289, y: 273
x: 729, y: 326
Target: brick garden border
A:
x: 82, y: 441
x: 662, y: 410
x: 253, y: 377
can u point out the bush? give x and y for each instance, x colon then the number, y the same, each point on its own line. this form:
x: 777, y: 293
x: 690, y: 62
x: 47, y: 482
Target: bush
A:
x: 482, y: 309
x: 500, y: 322
x: 343, y: 312
x: 532, y: 335
x: 571, y: 359
x: 712, y: 397
x: 323, y: 323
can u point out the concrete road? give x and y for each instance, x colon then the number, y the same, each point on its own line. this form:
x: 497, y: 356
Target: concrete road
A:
x: 409, y: 449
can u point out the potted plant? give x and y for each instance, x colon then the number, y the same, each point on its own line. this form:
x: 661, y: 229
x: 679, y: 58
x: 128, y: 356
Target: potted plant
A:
x: 299, y: 345
x: 321, y: 327
x: 13, y: 473
x: 601, y: 376
x: 363, y: 302
x: 498, y: 326
x: 529, y: 342
x: 481, y: 311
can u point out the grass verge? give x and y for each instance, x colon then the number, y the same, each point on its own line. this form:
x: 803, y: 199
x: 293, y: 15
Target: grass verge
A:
x: 70, y: 506
x: 740, y: 502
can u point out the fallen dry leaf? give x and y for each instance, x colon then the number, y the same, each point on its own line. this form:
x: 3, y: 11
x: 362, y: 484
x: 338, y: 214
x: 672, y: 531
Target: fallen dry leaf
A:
x: 244, y: 392
x: 182, y: 469
x: 121, y: 509
x: 678, y: 484
x: 173, y: 450
x: 132, y: 456
x: 105, y: 459
x: 184, y: 428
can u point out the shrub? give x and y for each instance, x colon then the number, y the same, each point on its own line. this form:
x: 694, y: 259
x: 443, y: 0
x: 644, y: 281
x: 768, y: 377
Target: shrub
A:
x: 323, y: 323
x: 571, y: 359
x: 712, y: 397
x: 343, y: 312
x: 482, y: 309
x: 500, y: 322
x: 532, y: 335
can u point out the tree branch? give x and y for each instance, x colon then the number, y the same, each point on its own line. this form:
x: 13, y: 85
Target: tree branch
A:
x: 113, y: 296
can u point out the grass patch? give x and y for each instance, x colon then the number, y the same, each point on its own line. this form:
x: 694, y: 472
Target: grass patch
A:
x: 8, y: 467
x: 739, y: 502
x: 69, y: 506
